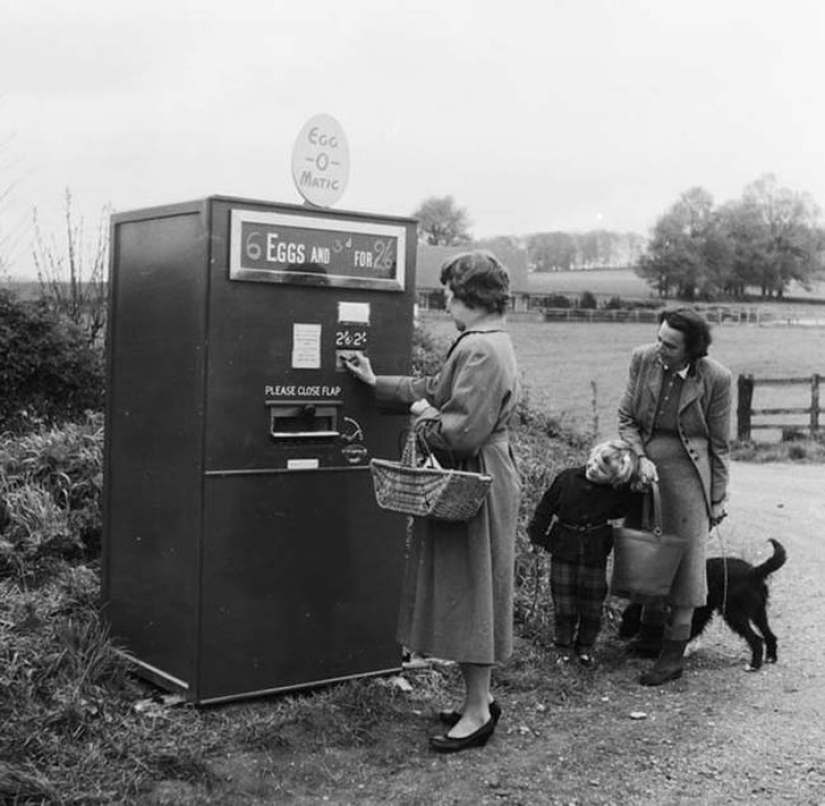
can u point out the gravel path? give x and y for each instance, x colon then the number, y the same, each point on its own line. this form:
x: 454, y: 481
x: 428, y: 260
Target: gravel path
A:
x: 719, y: 735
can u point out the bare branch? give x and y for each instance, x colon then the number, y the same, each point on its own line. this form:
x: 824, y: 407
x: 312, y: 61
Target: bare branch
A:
x: 73, y: 280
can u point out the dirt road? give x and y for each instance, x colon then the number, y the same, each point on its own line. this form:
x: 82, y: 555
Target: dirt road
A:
x: 720, y: 735
x: 766, y: 742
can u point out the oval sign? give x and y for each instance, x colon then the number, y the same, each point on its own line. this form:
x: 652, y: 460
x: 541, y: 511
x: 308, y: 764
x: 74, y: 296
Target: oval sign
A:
x: 320, y: 161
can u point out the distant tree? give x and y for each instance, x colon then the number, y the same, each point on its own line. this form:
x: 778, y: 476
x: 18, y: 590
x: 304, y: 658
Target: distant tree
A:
x: 72, y: 276
x: 499, y: 243
x: 630, y: 248
x: 780, y: 230
x: 742, y: 227
x: 551, y: 251
x: 688, y: 256
x: 767, y: 239
x: 442, y: 223
x: 597, y: 247
x: 557, y: 301
x: 560, y: 251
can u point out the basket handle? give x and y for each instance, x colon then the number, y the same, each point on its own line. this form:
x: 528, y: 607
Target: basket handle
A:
x: 417, y: 453
x: 409, y: 455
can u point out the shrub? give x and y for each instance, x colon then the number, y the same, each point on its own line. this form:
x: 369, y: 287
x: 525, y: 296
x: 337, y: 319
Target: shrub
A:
x: 48, y: 372
x: 556, y: 301
x: 50, y: 495
x: 428, y: 352
x: 587, y: 301
x: 648, y: 304
x: 542, y: 447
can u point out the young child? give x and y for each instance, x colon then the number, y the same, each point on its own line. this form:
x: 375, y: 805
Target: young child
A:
x: 571, y: 522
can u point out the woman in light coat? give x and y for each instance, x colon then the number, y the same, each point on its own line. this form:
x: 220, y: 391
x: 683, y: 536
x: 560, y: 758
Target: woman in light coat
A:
x: 457, y: 597
x: 676, y: 412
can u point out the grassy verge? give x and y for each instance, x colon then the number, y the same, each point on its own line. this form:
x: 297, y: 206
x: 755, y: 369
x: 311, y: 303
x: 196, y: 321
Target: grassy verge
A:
x: 78, y: 728
x: 793, y: 448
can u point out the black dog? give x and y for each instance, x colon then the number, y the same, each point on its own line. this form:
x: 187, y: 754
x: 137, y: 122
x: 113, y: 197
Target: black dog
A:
x: 737, y: 591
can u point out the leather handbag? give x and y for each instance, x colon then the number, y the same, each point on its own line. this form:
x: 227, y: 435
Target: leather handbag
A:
x: 645, y: 560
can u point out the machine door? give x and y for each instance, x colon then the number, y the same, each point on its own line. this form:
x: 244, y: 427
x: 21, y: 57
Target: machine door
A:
x: 298, y: 586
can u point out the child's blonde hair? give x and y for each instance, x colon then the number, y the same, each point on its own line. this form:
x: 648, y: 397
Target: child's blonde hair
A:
x: 618, y: 458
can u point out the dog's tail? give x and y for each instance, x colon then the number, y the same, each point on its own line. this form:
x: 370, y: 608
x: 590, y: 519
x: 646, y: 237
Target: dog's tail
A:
x: 773, y: 563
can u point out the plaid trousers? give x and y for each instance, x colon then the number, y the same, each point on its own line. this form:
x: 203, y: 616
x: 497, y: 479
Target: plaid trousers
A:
x: 578, y: 593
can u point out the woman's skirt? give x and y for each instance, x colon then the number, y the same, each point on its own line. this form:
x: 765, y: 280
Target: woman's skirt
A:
x: 457, y: 593
x: 684, y: 514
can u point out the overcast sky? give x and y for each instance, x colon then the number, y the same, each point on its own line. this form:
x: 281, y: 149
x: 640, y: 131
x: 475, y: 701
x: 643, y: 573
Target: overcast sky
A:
x: 534, y: 116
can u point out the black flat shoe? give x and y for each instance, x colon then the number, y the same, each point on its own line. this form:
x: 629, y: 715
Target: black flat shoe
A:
x: 451, y: 717
x: 478, y: 738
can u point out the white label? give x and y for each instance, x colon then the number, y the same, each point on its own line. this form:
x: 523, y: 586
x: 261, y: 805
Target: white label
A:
x: 306, y: 346
x: 354, y: 312
x: 302, y: 464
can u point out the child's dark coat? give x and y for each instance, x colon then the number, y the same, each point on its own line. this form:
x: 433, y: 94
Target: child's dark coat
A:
x: 580, y: 532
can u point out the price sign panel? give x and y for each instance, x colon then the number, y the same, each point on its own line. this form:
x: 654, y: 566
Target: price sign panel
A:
x: 304, y: 250
x: 352, y: 336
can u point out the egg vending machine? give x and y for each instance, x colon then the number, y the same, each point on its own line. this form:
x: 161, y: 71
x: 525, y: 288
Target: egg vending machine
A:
x: 243, y: 549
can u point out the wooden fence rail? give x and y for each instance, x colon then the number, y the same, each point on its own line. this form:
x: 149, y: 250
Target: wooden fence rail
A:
x: 746, y: 412
x: 644, y: 315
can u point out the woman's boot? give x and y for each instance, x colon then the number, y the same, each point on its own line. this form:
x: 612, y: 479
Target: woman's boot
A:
x: 668, y: 665
x: 648, y: 641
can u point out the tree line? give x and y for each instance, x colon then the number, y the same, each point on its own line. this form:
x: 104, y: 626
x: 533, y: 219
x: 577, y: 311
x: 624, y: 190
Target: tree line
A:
x: 764, y: 241
x: 761, y: 243
x: 443, y: 223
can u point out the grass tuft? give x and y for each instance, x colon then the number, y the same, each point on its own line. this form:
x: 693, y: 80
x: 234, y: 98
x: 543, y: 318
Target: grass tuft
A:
x: 801, y: 450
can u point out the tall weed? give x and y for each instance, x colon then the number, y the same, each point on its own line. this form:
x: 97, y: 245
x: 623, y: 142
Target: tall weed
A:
x: 50, y: 493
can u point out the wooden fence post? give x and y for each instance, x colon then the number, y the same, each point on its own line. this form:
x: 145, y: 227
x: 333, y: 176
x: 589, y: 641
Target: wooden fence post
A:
x: 815, y: 378
x: 743, y: 412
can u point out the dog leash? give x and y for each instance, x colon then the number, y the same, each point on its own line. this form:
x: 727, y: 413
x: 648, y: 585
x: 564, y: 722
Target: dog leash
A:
x: 719, y: 535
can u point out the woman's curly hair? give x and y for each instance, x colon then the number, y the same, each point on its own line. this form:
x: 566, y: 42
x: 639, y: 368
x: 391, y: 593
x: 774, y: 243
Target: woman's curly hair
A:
x: 478, y: 279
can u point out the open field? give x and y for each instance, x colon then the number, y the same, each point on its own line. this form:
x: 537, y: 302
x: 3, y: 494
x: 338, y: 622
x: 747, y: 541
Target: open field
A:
x: 560, y: 363
x: 625, y: 283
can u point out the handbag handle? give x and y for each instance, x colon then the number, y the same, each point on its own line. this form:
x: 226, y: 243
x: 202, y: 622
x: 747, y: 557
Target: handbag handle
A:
x: 653, y: 495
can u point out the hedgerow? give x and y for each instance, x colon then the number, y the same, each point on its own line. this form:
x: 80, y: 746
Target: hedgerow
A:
x: 49, y: 373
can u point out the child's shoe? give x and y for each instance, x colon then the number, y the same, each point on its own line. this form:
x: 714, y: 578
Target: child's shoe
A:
x: 563, y: 653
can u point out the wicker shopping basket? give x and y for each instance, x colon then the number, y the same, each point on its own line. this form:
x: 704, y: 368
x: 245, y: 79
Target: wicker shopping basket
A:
x: 427, y: 492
